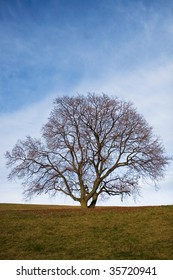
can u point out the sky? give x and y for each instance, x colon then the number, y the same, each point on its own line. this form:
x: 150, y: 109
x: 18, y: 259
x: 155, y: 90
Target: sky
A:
x: 51, y: 48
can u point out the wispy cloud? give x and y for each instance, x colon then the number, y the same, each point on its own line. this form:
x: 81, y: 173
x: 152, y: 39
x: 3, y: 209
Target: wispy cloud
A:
x: 14, y: 126
x: 56, y: 46
x: 102, y: 46
x: 150, y: 89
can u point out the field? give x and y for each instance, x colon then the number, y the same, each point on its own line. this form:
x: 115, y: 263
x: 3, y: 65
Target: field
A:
x: 55, y: 232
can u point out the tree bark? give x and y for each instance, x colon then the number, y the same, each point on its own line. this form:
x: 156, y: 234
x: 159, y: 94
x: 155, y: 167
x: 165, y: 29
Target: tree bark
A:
x: 94, y: 201
x: 83, y: 204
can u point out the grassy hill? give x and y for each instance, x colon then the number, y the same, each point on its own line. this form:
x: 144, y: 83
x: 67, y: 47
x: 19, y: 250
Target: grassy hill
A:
x: 57, y: 232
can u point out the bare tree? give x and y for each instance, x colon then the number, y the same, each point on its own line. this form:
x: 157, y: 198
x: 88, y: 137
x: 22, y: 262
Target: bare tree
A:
x: 91, y: 146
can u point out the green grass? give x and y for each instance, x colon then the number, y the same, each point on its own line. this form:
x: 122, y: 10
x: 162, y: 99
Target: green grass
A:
x: 55, y: 232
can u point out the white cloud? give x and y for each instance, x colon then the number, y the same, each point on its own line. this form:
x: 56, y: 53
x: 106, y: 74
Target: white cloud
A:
x: 14, y: 126
x: 145, y: 87
x: 150, y: 89
x: 126, y: 54
x: 27, y: 120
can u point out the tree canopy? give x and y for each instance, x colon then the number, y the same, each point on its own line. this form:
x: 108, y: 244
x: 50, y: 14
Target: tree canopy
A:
x: 91, y: 146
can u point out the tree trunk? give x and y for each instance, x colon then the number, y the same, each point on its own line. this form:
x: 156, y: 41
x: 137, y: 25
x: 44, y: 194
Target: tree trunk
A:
x: 83, y: 204
x: 94, y: 201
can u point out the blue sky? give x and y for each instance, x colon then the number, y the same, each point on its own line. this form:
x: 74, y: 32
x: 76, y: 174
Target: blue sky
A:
x: 57, y: 47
